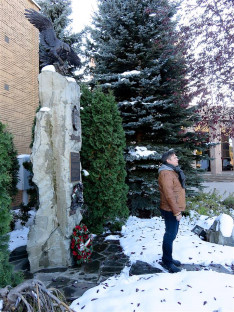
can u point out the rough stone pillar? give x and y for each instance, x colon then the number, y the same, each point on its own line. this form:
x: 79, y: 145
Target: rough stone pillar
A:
x: 215, y: 151
x: 57, y: 140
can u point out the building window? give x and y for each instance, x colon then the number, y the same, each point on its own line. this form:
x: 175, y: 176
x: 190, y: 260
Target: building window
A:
x: 7, y: 39
x: 6, y: 87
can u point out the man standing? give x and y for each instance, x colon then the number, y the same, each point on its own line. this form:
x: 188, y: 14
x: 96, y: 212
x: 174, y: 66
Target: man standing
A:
x: 171, y: 183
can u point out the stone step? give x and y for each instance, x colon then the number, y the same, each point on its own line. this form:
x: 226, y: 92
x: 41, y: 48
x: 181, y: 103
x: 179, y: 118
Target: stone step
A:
x: 218, y: 177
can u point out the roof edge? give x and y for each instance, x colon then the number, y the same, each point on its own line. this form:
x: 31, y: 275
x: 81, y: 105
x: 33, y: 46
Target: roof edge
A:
x: 33, y: 1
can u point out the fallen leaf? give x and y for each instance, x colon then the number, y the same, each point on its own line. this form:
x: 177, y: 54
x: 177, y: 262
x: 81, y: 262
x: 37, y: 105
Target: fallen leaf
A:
x: 94, y: 299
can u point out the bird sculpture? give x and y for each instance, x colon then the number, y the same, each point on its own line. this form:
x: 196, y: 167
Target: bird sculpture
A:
x: 52, y: 50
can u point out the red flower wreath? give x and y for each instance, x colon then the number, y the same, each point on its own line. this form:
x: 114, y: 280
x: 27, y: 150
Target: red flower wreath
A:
x: 81, y: 244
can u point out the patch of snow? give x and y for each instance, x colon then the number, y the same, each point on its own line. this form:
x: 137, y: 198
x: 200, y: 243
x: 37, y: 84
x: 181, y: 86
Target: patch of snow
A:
x: 130, y: 73
x: 1, y: 305
x: 49, y: 68
x: 70, y: 79
x: 85, y: 172
x: 112, y: 237
x: 23, y: 156
x: 141, y: 151
x: 225, y: 223
x: 18, y: 238
x: 142, y: 240
x: 45, y: 109
x: 18, y: 225
x: 184, y: 291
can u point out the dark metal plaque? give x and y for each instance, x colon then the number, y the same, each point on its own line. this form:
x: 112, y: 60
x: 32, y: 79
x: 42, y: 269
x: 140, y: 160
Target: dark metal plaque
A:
x: 75, y: 137
x: 75, y: 167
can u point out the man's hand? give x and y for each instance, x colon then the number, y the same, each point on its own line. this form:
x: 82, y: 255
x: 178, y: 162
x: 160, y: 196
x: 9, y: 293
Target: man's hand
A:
x: 178, y: 218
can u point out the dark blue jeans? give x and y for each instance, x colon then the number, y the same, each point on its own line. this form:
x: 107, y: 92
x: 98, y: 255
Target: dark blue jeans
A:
x: 171, y: 230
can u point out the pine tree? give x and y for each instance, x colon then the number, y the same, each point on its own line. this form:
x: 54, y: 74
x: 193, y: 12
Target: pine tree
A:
x: 136, y: 53
x: 103, y: 142
x: 8, y: 178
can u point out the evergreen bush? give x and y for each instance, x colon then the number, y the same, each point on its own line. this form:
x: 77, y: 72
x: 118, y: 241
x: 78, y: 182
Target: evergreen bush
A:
x: 208, y: 204
x: 229, y: 201
x: 8, y: 179
x: 103, y: 142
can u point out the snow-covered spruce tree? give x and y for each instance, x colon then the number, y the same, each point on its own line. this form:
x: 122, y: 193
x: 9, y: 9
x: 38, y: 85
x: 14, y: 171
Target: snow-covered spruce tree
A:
x: 103, y: 143
x: 8, y: 178
x: 136, y: 54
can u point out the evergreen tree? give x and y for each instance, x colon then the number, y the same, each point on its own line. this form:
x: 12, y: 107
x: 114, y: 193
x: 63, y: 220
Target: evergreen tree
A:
x: 136, y: 53
x: 8, y: 178
x: 58, y: 11
x: 103, y: 142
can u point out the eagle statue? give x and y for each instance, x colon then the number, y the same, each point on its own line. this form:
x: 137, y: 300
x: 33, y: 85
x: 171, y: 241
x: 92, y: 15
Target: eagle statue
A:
x: 52, y: 50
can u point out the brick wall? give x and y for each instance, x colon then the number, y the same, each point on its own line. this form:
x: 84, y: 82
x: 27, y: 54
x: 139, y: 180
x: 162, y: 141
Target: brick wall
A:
x: 19, y: 59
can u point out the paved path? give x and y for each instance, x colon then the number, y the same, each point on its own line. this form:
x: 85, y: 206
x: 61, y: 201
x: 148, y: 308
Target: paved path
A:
x: 223, y: 188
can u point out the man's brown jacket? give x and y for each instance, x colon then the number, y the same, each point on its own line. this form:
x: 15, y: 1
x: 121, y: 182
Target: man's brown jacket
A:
x: 172, y: 194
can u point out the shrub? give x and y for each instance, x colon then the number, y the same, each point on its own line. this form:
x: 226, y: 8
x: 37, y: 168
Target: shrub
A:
x: 209, y: 204
x: 103, y: 142
x: 8, y: 179
x: 229, y: 201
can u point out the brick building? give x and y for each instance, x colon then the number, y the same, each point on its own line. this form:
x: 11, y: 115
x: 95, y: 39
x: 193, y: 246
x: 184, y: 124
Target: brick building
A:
x: 19, y: 60
x: 19, y: 69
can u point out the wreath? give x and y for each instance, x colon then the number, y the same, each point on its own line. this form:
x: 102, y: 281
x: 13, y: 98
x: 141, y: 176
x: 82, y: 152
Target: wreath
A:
x: 81, y: 244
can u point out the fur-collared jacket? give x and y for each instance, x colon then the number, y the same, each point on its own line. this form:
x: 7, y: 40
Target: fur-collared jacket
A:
x: 172, y: 194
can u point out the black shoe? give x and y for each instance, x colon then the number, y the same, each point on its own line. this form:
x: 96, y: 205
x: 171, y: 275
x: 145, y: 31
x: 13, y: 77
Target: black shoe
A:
x: 176, y: 262
x: 171, y: 268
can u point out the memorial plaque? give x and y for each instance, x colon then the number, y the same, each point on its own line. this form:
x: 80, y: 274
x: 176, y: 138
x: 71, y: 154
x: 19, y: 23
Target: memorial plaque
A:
x: 75, y: 167
x: 75, y: 137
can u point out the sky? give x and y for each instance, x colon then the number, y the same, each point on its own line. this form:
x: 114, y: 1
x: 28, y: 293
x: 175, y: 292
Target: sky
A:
x: 185, y: 291
x: 82, y: 12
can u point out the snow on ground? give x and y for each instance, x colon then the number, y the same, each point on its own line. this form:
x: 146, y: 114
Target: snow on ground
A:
x: 18, y: 238
x: 142, y: 240
x: 184, y: 291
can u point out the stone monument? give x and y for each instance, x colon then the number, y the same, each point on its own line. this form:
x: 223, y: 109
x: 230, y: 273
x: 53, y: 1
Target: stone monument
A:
x: 56, y: 168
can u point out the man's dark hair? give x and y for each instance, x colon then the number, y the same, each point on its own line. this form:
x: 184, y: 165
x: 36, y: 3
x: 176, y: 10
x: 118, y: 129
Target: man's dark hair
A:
x: 167, y: 155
